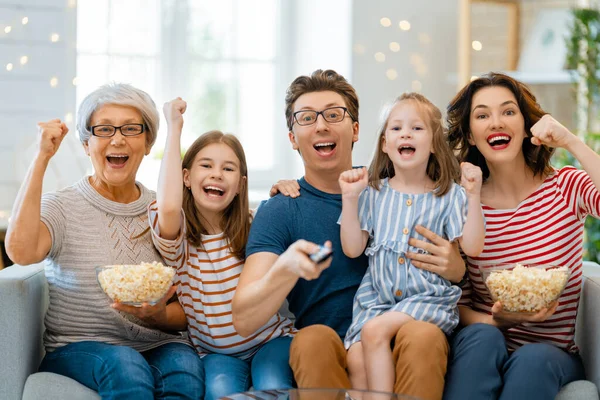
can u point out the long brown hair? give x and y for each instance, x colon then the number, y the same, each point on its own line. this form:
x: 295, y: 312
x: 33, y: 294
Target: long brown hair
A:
x: 537, y: 158
x: 320, y: 81
x: 235, y: 220
x: 442, y: 167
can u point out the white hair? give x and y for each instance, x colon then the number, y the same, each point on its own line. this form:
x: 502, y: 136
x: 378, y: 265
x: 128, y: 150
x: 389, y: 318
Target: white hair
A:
x: 120, y: 94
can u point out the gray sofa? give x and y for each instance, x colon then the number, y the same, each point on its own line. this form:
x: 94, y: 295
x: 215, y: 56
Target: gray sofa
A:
x: 23, y: 301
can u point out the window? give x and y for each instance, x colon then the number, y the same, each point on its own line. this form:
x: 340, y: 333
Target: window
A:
x: 222, y: 57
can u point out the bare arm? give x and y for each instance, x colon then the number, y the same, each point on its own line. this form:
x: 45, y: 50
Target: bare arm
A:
x: 265, y: 282
x: 169, y: 196
x: 27, y: 239
x: 473, y: 238
x: 589, y: 160
x: 353, y: 238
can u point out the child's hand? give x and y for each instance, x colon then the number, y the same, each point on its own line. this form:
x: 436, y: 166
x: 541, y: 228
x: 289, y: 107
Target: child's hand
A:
x: 174, y: 111
x: 470, y: 178
x: 550, y: 132
x: 289, y: 188
x: 353, y: 181
x: 51, y: 134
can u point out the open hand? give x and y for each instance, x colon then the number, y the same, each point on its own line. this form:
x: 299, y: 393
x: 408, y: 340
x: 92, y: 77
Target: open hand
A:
x: 286, y: 187
x: 443, y: 257
x: 155, y: 315
x: 505, y: 319
x: 353, y: 181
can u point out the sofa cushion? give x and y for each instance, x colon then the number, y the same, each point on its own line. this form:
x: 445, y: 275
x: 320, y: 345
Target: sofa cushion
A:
x: 578, y: 390
x: 46, y: 385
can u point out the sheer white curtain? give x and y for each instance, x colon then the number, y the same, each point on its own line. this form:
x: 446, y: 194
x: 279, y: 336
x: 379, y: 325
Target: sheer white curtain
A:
x: 223, y: 57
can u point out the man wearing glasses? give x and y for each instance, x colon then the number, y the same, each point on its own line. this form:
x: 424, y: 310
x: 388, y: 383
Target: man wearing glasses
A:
x: 322, y: 116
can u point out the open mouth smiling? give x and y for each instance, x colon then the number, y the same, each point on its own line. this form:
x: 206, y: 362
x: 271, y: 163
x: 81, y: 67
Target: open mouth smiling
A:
x: 325, y: 147
x: 117, y: 159
x: 498, y: 141
x: 213, y: 191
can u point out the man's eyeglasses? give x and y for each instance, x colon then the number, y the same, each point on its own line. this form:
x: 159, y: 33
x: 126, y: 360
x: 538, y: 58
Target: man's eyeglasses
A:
x: 110, y: 130
x: 331, y: 115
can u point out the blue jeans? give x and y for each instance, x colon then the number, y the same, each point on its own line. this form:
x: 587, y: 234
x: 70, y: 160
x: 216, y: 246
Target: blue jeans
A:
x: 480, y: 367
x: 171, y: 371
x: 268, y: 369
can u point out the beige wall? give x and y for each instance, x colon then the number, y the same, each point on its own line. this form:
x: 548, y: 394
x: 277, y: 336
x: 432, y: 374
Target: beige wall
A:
x: 489, y: 26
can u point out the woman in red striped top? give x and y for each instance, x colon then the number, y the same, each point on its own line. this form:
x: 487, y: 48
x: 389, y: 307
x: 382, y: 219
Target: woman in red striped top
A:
x: 534, y: 215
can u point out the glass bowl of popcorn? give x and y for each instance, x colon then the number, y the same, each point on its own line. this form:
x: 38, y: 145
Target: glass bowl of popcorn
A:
x: 524, y: 289
x: 135, y: 284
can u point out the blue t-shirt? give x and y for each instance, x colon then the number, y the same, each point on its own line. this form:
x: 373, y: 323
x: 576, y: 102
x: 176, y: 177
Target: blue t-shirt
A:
x: 312, y: 216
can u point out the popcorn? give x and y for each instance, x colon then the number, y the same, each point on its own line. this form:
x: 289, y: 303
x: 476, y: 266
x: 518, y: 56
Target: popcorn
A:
x: 526, y: 289
x: 147, y: 282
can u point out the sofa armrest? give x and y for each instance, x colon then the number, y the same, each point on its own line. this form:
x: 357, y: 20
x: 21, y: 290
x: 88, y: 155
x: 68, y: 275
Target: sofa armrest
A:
x: 588, y: 323
x: 23, y: 304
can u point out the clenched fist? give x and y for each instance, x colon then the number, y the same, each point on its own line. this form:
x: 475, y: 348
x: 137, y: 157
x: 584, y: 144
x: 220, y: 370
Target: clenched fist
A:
x: 174, y: 111
x: 550, y: 132
x: 50, y: 134
x: 470, y: 178
x: 353, y: 181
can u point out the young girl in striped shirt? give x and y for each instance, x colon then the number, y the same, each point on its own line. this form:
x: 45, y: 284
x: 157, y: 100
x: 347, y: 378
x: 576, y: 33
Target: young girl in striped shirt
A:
x: 410, y: 182
x: 200, y: 224
x: 535, y: 214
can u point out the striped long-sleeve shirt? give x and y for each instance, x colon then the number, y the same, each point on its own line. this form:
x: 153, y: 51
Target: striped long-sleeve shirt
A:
x: 207, y: 278
x: 544, y: 229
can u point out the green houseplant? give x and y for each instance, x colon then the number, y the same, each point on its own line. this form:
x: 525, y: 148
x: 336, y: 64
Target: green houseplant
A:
x: 583, y: 57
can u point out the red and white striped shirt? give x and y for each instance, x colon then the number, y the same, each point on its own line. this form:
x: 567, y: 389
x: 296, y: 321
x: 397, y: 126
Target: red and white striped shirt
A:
x: 207, y: 278
x: 545, y: 229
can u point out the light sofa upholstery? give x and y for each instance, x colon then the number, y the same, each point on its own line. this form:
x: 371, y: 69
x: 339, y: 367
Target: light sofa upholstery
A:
x: 23, y: 302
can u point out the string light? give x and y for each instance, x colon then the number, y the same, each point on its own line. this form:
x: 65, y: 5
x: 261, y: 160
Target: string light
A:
x: 9, y: 67
x: 7, y: 29
x: 404, y: 25
x: 75, y: 81
x: 395, y: 47
x: 379, y: 57
x: 385, y: 22
x: 391, y: 74
x: 69, y: 118
x: 25, y: 20
x: 54, y: 82
x: 55, y: 37
x: 477, y: 46
x: 23, y: 60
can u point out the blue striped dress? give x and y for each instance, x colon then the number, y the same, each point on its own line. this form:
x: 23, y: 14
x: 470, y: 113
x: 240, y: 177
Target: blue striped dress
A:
x: 392, y: 283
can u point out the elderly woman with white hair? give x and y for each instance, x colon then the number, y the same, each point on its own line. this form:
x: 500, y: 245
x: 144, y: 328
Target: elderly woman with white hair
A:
x: 100, y: 220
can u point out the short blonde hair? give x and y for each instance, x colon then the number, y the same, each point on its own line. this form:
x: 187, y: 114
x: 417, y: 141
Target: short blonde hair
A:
x: 120, y: 94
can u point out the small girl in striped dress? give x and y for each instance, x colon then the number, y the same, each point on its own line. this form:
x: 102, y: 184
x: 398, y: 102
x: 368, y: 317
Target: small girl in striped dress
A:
x: 411, y: 181
x: 200, y: 224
